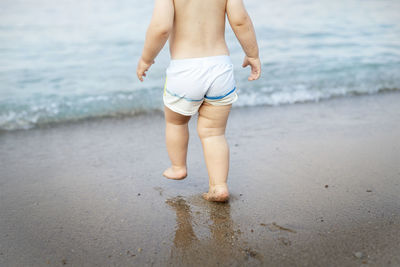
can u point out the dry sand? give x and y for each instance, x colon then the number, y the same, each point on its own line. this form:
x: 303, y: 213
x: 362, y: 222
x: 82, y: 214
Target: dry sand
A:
x: 314, y: 184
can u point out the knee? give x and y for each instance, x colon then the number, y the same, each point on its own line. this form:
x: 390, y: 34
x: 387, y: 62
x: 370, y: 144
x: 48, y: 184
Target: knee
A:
x: 205, y: 132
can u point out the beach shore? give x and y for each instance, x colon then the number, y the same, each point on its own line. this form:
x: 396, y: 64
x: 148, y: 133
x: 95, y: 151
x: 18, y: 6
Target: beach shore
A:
x: 312, y: 184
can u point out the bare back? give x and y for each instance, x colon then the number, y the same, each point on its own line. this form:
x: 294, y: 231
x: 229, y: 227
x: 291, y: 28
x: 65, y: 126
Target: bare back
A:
x: 198, y: 29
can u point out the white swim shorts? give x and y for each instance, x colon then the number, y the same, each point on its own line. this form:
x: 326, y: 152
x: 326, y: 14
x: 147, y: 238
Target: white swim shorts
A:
x: 191, y: 81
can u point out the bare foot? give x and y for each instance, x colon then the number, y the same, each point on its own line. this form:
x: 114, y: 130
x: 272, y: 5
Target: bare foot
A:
x: 217, y: 193
x: 175, y: 173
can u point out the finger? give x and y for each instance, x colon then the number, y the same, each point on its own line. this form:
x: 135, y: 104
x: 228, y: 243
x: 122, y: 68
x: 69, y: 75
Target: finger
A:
x: 139, y: 75
x: 258, y: 72
x: 245, y: 63
x: 255, y: 74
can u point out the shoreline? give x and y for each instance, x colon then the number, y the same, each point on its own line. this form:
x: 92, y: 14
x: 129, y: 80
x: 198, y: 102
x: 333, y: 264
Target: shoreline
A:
x: 313, y: 183
x: 156, y: 111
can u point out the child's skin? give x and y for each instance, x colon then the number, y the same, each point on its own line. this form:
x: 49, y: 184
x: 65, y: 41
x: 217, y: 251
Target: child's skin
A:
x: 196, y: 28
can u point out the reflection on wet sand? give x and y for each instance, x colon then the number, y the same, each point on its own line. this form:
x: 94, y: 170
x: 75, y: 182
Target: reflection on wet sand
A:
x: 184, y: 234
x: 218, y: 241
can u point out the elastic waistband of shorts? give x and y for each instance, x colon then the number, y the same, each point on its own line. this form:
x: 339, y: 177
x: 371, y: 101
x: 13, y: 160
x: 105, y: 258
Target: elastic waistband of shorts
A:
x: 222, y: 59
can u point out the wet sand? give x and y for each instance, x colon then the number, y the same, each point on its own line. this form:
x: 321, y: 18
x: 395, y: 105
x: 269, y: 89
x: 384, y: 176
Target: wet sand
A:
x: 314, y: 184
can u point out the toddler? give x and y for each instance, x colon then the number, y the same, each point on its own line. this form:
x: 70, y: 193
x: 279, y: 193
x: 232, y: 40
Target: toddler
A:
x: 199, y: 78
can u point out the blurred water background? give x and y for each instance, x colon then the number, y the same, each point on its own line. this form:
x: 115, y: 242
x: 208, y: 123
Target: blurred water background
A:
x: 74, y: 59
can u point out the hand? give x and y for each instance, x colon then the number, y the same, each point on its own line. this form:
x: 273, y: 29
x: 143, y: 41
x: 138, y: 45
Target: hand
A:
x: 142, y: 67
x: 255, y: 65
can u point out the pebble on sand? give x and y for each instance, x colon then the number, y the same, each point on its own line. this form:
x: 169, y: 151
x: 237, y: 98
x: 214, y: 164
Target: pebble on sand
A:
x: 358, y: 254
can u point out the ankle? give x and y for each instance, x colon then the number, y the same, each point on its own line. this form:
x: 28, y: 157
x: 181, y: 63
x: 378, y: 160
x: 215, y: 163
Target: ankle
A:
x: 218, y: 185
x: 178, y: 167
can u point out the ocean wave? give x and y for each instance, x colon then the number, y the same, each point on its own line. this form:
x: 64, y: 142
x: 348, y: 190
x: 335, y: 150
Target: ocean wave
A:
x: 301, y: 96
x: 15, y: 115
x: 34, y: 114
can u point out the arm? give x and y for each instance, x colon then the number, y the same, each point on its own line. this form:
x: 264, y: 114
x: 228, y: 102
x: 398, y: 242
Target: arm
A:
x: 157, y: 35
x: 243, y: 28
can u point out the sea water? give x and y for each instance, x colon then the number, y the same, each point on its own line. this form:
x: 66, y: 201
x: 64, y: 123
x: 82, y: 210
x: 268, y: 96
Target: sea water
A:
x: 71, y: 59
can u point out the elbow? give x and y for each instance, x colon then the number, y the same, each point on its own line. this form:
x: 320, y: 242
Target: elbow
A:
x: 240, y: 22
x: 165, y: 32
x: 162, y: 30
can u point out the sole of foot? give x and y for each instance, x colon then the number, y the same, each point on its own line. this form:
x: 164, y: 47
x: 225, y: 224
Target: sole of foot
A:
x: 175, y: 174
